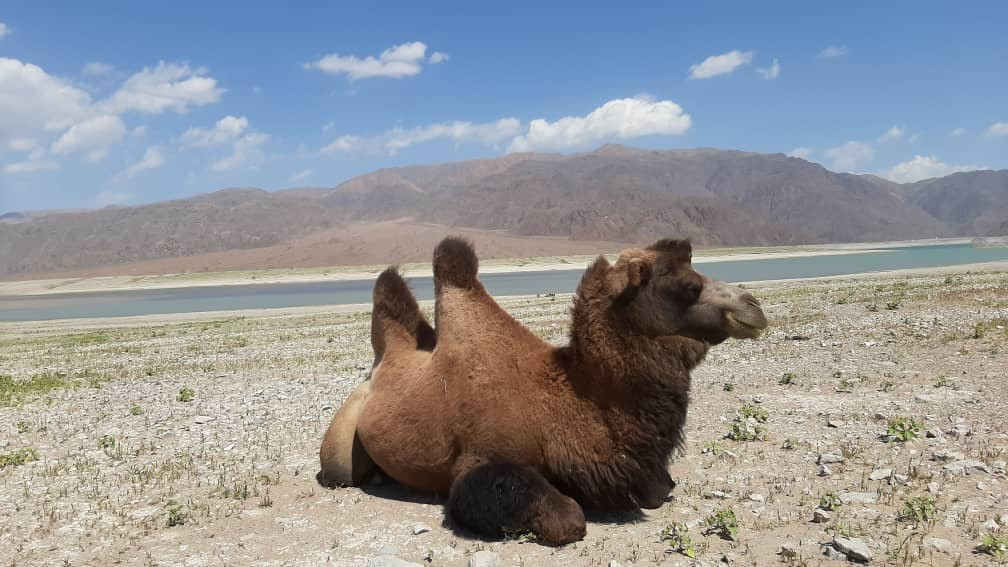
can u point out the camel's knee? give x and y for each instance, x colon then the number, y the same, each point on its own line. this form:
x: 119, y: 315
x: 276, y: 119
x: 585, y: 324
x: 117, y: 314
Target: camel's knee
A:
x: 455, y: 263
x: 497, y: 499
x: 342, y: 457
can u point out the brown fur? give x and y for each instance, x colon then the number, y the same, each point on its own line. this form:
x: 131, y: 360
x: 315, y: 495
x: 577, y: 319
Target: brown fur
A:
x: 493, y: 407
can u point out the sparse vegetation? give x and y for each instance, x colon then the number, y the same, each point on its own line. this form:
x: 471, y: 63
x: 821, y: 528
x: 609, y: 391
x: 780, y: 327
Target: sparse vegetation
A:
x: 787, y: 379
x: 904, y: 429
x: 920, y: 509
x: 994, y: 545
x: 186, y: 395
x: 177, y: 516
x: 728, y: 387
x: 829, y: 501
x: 723, y: 523
x: 678, y: 539
x: 17, y: 458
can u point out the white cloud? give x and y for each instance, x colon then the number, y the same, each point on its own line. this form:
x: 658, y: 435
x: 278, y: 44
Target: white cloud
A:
x: 850, y: 156
x: 720, y: 64
x: 30, y: 165
x: 169, y: 86
x: 34, y: 102
x: 93, y: 135
x: 21, y: 144
x: 106, y: 198
x: 438, y: 57
x: 4, y: 30
x: 832, y: 51
x: 398, y: 61
x: 246, y: 151
x: 923, y: 167
x: 619, y: 119
x: 152, y: 159
x: 894, y: 133
x: 771, y: 72
x: 998, y: 129
x: 97, y: 69
x: 957, y: 132
x: 299, y: 176
x: 802, y: 153
x: 488, y: 133
x: 225, y: 131
x: 344, y: 143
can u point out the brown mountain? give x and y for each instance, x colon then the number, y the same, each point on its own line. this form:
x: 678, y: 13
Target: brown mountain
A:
x: 536, y: 203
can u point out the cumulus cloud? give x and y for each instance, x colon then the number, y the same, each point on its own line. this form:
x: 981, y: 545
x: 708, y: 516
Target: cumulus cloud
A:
x: 957, y: 132
x: 398, y: 61
x: 998, y: 129
x: 619, y: 119
x: 345, y: 143
x: 4, y: 30
x: 802, y: 153
x: 96, y: 69
x: 832, y: 51
x: 923, y: 167
x: 438, y: 57
x: 720, y: 64
x: 771, y: 72
x: 152, y: 159
x: 169, y: 86
x: 246, y: 151
x: 299, y: 176
x: 34, y: 102
x: 93, y: 135
x: 894, y: 133
x: 850, y: 156
x: 459, y: 131
x: 30, y: 165
x: 225, y: 131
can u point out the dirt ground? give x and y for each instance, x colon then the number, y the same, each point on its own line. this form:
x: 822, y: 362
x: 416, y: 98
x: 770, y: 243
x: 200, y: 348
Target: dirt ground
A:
x: 196, y: 443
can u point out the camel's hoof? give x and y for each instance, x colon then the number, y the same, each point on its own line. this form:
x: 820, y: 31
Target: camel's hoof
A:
x: 344, y: 460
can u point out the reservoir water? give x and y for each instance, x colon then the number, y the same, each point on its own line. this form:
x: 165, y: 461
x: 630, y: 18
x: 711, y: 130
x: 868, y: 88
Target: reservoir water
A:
x: 260, y: 296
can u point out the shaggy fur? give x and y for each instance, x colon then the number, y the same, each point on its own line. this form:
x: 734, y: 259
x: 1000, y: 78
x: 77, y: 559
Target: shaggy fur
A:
x: 521, y: 434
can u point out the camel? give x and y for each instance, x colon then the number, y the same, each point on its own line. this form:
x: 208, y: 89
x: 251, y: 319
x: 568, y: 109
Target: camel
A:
x: 521, y: 435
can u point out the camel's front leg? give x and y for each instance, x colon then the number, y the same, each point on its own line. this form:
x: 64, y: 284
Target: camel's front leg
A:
x: 494, y: 499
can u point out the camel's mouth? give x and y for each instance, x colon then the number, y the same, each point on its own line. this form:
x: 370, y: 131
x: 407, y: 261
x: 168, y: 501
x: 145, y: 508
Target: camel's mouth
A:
x: 746, y: 327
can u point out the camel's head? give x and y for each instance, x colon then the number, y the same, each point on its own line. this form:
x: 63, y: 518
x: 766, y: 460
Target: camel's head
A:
x: 657, y: 293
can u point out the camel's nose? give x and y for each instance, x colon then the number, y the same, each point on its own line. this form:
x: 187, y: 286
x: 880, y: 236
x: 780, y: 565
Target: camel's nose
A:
x: 750, y: 299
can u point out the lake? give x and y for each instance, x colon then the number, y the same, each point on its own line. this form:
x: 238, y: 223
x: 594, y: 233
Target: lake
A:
x: 260, y: 296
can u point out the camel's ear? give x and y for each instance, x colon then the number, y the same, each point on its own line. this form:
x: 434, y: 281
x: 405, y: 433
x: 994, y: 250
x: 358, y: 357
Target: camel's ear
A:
x: 626, y: 285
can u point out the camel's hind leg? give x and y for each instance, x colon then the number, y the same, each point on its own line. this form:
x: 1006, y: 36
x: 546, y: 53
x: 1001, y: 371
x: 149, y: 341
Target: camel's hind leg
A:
x: 494, y: 499
x: 396, y: 319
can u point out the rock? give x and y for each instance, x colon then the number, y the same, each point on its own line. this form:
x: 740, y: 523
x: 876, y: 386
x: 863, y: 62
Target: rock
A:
x: 789, y: 550
x: 965, y: 466
x: 939, y: 544
x: 999, y: 467
x: 849, y: 498
x: 833, y: 555
x: 880, y: 417
x: 899, y: 479
x: 483, y: 559
x: 981, y: 487
x: 934, y: 433
x: 958, y: 431
x: 887, y: 438
x: 1003, y: 519
x: 201, y: 419
x: 989, y: 526
x: 824, y: 470
x: 836, y: 424
x: 933, y: 487
x: 389, y: 550
x: 757, y: 498
x: 829, y: 459
x: 717, y: 494
x: 879, y: 474
x: 853, y: 548
x: 390, y: 561
x: 614, y: 563
x: 820, y: 516
x: 944, y: 455
x: 420, y: 529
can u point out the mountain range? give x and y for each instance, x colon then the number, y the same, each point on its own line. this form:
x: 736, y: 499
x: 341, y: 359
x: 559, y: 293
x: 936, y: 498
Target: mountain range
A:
x: 518, y: 205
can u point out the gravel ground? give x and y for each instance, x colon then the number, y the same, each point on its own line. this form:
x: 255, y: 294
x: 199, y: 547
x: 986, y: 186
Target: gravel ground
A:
x: 196, y: 443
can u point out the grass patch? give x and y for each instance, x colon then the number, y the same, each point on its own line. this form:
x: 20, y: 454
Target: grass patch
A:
x: 18, y: 458
x: 904, y: 429
x: 678, y: 539
x: 15, y: 392
x: 723, y: 523
x: 920, y: 509
x: 186, y: 395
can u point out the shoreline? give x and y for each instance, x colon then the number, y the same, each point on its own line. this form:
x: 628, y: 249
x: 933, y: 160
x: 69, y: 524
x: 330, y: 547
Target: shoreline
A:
x: 59, y: 286
x: 24, y: 327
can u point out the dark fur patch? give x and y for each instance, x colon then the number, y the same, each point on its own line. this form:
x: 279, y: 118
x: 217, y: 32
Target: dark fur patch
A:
x: 680, y: 248
x: 497, y: 499
x: 455, y: 263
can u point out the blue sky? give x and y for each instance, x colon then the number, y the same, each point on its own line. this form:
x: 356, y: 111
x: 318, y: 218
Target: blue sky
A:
x: 132, y: 102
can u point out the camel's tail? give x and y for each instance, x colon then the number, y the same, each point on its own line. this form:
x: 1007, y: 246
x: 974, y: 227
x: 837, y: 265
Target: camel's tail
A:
x: 396, y: 320
x: 455, y: 264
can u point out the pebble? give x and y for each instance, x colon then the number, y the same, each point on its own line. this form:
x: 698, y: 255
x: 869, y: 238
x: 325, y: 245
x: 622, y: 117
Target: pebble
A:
x: 879, y: 474
x: 832, y: 554
x: 944, y: 455
x: 483, y: 559
x: 614, y: 563
x: 834, y: 423
x: 420, y: 529
x: 934, y: 433
x: 933, y: 487
x: 824, y: 470
x: 853, y: 548
x: 942, y: 545
x: 789, y: 550
x: 1003, y: 519
x: 829, y: 459
x: 858, y: 498
x: 981, y: 487
x: 989, y: 526
x: 958, y: 431
x: 820, y: 516
x: 999, y: 467
x: 757, y: 498
x: 201, y: 419
x: 965, y: 466
x: 899, y: 479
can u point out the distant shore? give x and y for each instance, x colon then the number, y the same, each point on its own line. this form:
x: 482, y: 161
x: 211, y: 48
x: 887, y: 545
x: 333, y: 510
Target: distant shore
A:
x: 344, y: 273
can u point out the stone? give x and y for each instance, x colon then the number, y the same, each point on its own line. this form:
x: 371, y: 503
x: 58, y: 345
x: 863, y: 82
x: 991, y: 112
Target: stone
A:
x: 836, y: 424
x: 389, y: 550
x: 853, y: 548
x: 757, y: 498
x: 981, y: 487
x: 965, y: 466
x: 833, y: 555
x: 614, y: 563
x: 717, y: 494
x: 390, y: 561
x: 824, y: 470
x: 789, y: 550
x: 934, y: 433
x: 899, y: 479
x: 879, y: 474
x: 820, y: 516
x: 944, y: 455
x: 933, y: 487
x: 849, y: 498
x: 201, y: 419
x: 989, y: 526
x: 958, y: 431
x: 420, y: 529
x: 939, y: 544
x: 829, y: 459
x: 483, y: 558
x: 999, y: 467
